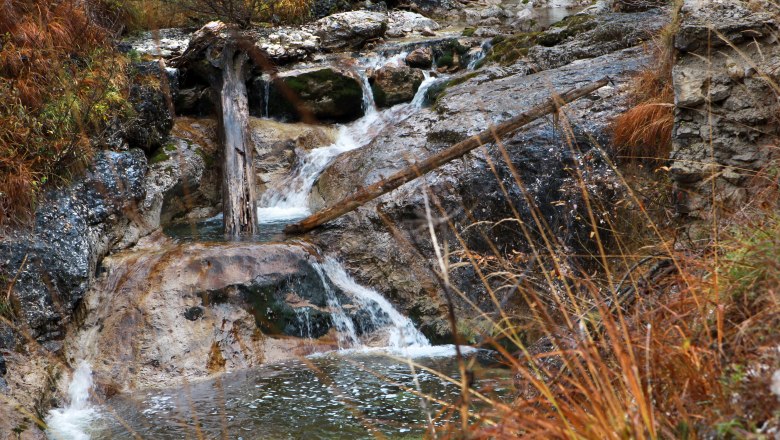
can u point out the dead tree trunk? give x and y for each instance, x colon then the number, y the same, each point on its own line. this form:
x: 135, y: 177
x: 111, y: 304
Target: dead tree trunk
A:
x: 238, y: 181
x: 417, y: 169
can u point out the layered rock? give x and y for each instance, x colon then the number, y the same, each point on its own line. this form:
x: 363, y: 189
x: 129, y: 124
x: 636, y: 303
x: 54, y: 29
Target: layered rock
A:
x: 421, y: 58
x: 725, y: 84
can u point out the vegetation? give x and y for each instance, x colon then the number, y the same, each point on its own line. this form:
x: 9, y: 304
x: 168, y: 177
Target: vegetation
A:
x: 644, y: 133
x: 62, y: 87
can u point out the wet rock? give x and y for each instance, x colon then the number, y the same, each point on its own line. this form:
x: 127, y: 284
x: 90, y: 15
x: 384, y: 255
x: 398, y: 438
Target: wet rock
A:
x: 467, y: 190
x: 323, y: 94
x: 150, y: 94
x: 74, y: 228
x: 393, y: 84
x: 349, y: 30
x: 183, y: 176
x: 193, y: 313
x: 421, y: 58
x: 401, y: 23
x: 580, y: 37
x: 187, y: 311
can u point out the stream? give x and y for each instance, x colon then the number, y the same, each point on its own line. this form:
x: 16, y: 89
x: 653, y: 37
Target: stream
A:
x: 391, y: 382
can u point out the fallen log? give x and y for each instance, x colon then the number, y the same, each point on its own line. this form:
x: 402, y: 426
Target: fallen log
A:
x: 417, y: 169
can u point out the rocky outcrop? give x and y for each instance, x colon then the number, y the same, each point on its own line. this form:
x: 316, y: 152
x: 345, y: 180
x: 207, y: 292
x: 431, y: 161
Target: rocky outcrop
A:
x: 150, y: 95
x: 163, y: 311
x: 468, y: 191
x: 725, y: 86
x: 394, y: 84
x: 582, y: 36
x: 54, y: 263
x: 349, y: 30
x: 183, y: 176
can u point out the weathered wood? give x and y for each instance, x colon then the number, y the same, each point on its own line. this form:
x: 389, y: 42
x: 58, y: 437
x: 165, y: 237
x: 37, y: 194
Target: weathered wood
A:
x: 238, y: 181
x: 417, y: 169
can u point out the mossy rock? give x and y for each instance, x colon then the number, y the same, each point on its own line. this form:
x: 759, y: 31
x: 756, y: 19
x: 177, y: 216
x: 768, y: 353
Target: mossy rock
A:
x: 326, y: 94
x: 159, y: 157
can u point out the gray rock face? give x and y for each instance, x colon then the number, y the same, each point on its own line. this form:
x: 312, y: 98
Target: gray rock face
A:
x: 153, y: 121
x: 726, y: 106
x: 349, y: 30
x: 395, y: 84
x: 401, y: 23
x: 74, y: 228
x: 580, y: 38
x: 467, y: 190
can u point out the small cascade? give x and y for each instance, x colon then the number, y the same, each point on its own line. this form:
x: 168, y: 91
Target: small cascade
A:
x: 347, y: 336
x: 267, y: 97
x: 479, y: 56
x: 289, y: 198
x: 71, y: 422
x: 401, y: 332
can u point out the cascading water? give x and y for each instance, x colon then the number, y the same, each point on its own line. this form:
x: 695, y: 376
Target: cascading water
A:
x: 401, y: 332
x: 479, y: 56
x: 71, y: 422
x: 289, y: 198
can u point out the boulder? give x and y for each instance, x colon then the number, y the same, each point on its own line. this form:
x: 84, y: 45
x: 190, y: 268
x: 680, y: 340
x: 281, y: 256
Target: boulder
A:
x: 325, y: 94
x: 164, y: 311
x: 394, y: 84
x: 401, y: 23
x: 150, y: 93
x: 421, y: 58
x: 349, y: 30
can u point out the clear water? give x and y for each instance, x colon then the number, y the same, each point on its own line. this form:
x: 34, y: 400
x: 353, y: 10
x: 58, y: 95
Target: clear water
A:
x: 335, y: 396
x: 211, y: 230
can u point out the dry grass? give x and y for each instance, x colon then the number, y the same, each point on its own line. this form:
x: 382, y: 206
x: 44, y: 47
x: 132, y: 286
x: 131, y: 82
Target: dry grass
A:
x: 643, y: 134
x: 62, y: 86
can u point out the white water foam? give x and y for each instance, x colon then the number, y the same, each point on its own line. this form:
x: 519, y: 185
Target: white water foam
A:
x: 71, y: 422
x: 289, y: 198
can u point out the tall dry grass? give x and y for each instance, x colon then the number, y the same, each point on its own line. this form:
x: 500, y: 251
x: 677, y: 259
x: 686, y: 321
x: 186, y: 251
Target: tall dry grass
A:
x: 62, y: 85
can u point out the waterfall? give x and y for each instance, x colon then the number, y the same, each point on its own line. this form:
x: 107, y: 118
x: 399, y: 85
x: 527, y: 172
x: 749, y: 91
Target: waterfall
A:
x: 289, y: 198
x: 479, y: 56
x: 401, y: 330
x: 71, y: 422
x: 267, y: 96
x: 347, y: 336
